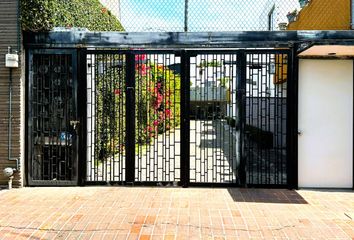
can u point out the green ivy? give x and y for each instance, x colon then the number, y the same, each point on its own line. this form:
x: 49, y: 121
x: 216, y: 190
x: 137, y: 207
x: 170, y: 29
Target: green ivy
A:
x: 44, y: 15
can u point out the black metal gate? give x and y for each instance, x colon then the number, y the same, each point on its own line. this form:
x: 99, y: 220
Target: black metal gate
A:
x: 215, y: 104
x: 133, y: 117
x: 52, y: 144
x: 265, y: 131
x: 164, y: 117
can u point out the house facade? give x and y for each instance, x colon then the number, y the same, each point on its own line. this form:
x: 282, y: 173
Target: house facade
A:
x: 11, y: 93
x: 325, y: 99
x: 323, y: 84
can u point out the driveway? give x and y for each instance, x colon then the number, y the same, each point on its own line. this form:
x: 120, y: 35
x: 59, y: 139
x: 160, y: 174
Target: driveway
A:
x: 175, y: 213
x: 212, y: 150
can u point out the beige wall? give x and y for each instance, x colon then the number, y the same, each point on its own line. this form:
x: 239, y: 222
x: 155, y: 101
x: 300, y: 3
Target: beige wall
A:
x: 326, y: 123
x: 8, y: 37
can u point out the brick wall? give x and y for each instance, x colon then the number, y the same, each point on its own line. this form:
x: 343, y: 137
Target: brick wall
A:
x: 8, y: 37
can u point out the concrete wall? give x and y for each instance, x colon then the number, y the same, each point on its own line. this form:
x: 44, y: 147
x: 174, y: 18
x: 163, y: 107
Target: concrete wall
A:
x: 9, y: 37
x: 326, y: 123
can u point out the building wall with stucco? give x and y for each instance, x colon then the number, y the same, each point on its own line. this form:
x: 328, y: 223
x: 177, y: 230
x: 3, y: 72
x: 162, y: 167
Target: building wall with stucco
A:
x: 323, y: 15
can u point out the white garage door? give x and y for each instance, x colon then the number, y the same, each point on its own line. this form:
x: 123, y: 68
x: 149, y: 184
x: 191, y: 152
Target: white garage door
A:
x: 326, y: 123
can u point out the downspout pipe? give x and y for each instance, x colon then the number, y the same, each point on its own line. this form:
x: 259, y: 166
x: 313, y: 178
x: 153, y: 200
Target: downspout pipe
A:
x: 9, y: 145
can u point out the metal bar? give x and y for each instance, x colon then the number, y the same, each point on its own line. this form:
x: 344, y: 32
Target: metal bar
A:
x: 186, y: 15
x: 241, y: 106
x: 292, y: 120
x: 75, y: 144
x: 183, y: 39
x: 130, y: 118
x: 82, y: 115
x: 28, y: 116
x: 185, y: 119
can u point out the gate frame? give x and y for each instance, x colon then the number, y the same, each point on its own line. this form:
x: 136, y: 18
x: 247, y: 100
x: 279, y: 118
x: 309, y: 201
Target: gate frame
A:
x: 295, y: 41
x: 28, y: 139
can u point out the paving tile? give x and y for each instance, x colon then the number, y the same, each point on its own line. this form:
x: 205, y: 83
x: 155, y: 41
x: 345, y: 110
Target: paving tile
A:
x: 166, y: 213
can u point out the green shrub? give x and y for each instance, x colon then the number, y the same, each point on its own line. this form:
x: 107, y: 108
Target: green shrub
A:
x: 157, y: 106
x: 157, y: 102
x: 44, y: 15
x: 110, y: 110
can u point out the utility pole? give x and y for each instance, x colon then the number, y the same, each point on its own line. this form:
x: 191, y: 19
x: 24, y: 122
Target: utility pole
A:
x: 186, y: 15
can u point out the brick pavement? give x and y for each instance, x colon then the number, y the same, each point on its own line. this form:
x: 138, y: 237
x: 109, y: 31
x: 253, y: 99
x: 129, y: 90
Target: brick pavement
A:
x: 175, y: 213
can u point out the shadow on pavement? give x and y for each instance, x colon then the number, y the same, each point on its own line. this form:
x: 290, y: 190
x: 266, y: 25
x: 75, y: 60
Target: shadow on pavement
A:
x: 266, y: 196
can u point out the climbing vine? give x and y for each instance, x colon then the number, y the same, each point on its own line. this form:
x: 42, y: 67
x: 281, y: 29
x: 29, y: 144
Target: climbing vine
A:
x: 44, y: 15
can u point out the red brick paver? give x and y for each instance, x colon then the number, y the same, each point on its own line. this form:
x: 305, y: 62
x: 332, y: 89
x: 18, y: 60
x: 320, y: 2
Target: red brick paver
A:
x: 175, y: 213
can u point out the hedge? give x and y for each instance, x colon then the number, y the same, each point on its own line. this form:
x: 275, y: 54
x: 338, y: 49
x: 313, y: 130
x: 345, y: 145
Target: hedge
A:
x: 44, y: 15
x: 157, y: 105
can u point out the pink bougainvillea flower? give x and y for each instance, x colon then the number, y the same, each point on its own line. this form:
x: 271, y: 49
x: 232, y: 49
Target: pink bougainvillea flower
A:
x: 156, y: 105
x: 143, y: 70
x: 150, y: 129
x: 156, y: 123
x: 159, y: 85
x: 168, y: 112
x: 117, y: 92
x: 161, y: 116
x: 140, y: 57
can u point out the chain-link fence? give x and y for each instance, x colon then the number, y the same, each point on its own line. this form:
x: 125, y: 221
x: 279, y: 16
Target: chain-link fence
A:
x: 201, y: 15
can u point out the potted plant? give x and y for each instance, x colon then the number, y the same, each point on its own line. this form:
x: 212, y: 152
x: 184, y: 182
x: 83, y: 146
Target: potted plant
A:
x: 303, y: 3
x: 291, y: 16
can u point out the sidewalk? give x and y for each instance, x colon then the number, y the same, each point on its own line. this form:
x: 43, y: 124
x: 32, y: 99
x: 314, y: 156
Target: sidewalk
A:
x: 175, y: 213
